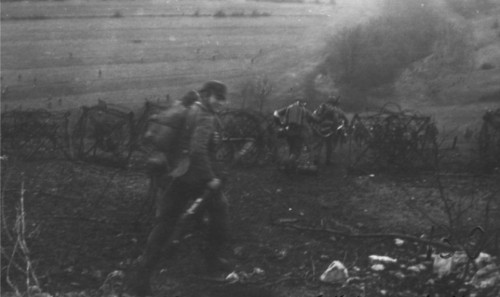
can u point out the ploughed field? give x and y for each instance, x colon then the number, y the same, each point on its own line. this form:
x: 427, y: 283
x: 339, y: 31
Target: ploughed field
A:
x: 70, y: 54
x: 84, y: 221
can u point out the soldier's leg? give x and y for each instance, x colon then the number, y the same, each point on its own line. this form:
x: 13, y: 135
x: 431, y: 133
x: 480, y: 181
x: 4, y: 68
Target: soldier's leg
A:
x: 316, y: 147
x: 288, y: 162
x: 312, y: 146
x: 329, y: 150
x: 218, y: 231
x: 169, y: 210
x: 295, y: 148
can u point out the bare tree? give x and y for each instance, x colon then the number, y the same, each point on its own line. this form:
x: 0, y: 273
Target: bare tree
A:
x: 264, y: 89
x: 257, y: 91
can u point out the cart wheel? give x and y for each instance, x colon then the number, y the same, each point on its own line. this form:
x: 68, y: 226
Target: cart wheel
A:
x: 104, y: 133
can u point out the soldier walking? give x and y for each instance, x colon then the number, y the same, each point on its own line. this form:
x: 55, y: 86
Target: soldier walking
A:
x: 193, y: 173
x: 294, y: 121
x: 333, y: 126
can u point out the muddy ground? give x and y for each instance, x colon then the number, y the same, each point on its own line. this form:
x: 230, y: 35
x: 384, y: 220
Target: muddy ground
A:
x: 83, y: 221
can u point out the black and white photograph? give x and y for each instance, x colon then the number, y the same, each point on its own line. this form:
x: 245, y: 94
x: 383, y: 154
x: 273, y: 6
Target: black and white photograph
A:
x: 250, y: 148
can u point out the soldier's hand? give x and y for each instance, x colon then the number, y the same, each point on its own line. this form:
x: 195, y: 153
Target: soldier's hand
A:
x: 214, y: 184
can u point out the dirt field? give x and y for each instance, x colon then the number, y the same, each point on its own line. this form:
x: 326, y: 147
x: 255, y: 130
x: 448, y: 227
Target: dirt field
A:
x: 84, y: 221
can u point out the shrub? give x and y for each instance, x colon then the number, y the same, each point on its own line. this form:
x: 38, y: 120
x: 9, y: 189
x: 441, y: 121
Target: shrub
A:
x: 220, y: 14
x: 487, y: 66
x: 256, y: 13
x: 117, y: 14
x: 238, y: 14
x: 373, y: 54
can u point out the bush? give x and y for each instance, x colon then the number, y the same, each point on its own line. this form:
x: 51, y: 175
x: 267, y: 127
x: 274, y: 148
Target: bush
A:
x: 487, y: 66
x: 256, y: 13
x: 220, y: 14
x: 117, y: 14
x: 238, y: 14
x: 371, y: 55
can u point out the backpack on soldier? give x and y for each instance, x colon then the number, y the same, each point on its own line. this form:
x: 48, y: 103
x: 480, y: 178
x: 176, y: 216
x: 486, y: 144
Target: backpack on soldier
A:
x: 168, y: 132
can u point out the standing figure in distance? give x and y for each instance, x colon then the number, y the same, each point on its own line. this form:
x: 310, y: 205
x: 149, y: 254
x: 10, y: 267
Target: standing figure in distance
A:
x: 333, y: 126
x: 294, y: 124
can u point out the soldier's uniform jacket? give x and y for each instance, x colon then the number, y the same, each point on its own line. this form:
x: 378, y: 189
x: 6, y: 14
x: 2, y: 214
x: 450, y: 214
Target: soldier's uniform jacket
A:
x: 331, y: 112
x: 294, y: 114
x: 197, y: 145
x: 184, y: 136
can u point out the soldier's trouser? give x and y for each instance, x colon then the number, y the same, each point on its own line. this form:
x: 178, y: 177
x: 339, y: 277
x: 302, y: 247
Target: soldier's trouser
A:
x: 329, y: 147
x: 301, y: 136
x: 295, y: 144
x: 170, y: 208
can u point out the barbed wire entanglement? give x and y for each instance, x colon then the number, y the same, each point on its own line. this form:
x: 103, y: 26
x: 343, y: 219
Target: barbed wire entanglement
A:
x: 392, y: 138
x: 35, y: 133
x: 110, y: 133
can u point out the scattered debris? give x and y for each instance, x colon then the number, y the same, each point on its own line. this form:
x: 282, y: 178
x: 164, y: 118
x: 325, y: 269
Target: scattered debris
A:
x: 417, y: 268
x: 444, y: 265
x: 245, y: 277
x: 287, y: 220
x: 232, y: 277
x: 336, y: 273
x: 377, y: 267
x: 399, y: 242
x: 487, y: 277
x: 381, y: 259
x: 281, y: 254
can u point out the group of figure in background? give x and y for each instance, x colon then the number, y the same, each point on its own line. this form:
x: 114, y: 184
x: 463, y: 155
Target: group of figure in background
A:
x: 308, y: 132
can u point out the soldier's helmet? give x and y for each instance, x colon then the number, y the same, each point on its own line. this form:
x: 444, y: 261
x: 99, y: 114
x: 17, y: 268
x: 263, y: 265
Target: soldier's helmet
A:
x: 217, y: 88
x: 334, y: 99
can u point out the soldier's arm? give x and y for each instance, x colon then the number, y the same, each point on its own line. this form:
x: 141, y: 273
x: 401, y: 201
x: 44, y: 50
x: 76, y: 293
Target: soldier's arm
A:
x: 280, y: 112
x: 278, y: 116
x: 343, y: 116
x: 311, y: 117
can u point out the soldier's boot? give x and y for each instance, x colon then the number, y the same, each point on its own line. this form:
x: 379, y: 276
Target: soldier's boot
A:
x: 138, y: 282
x: 140, y: 289
x: 291, y: 163
x: 216, y: 265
